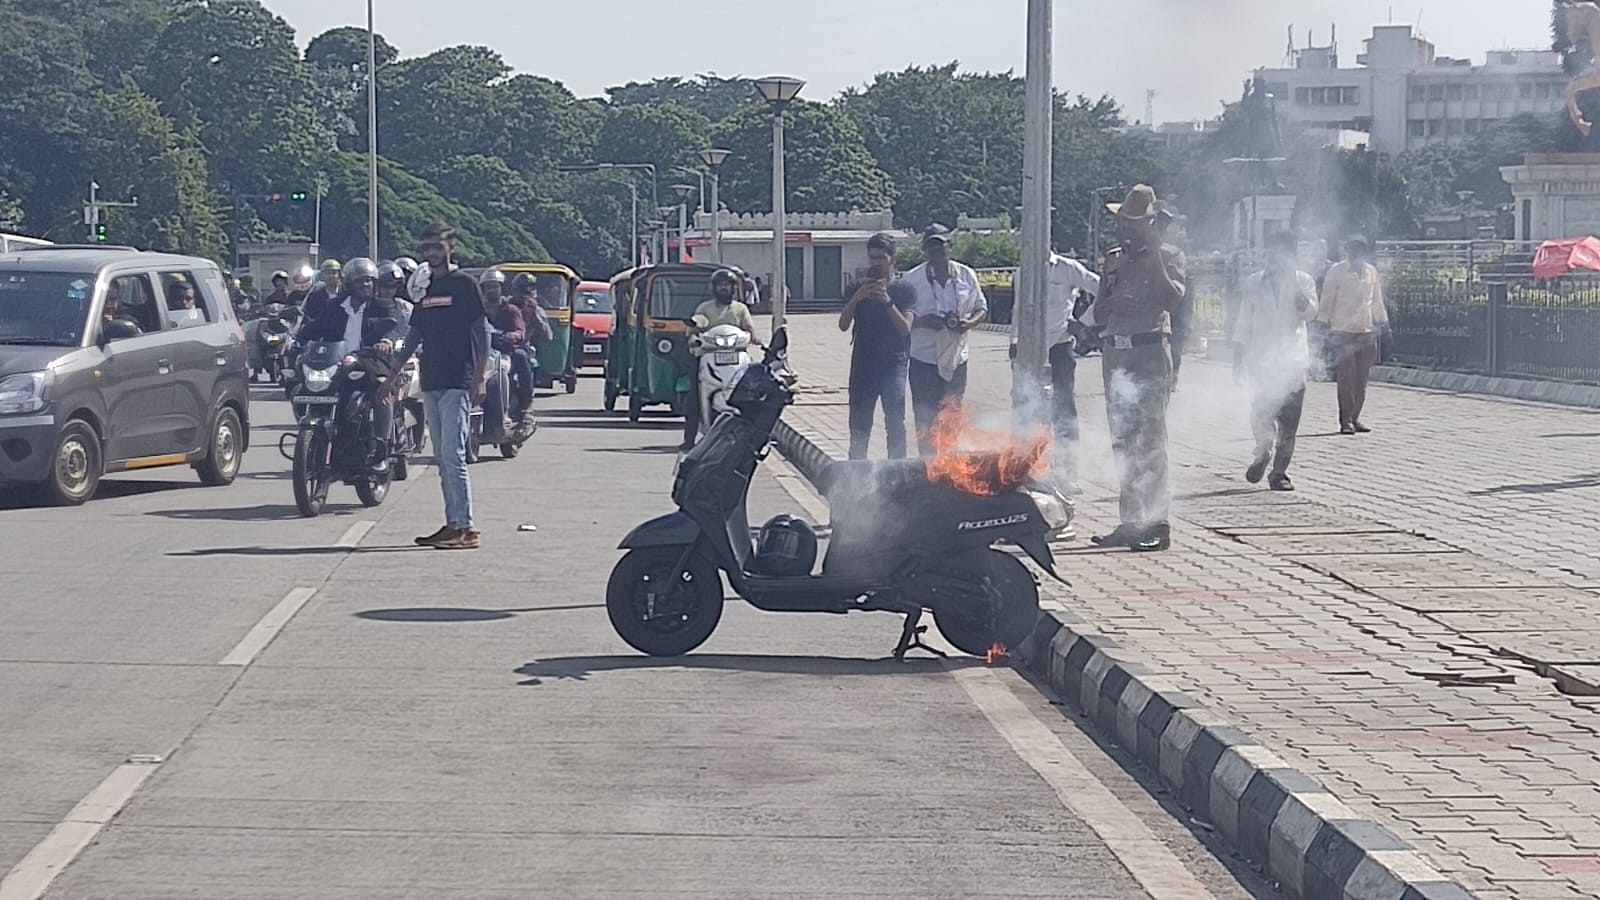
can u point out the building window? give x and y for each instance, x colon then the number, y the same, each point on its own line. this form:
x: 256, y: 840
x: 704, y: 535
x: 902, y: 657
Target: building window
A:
x: 1417, y: 128
x: 1454, y: 127
x: 1352, y: 95
x: 1435, y: 127
x: 1419, y: 93
x: 1525, y: 90
x: 1302, y: 96
x: 1527, y: 220
x: 1505, y: 92
x: 1473, y: 125
x: 1453, y: 92
x: 1435, y: 92
x: 1472, y: 92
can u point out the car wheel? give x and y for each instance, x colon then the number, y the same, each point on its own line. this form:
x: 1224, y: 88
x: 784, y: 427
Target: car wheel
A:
x: 75, y: 469
x: 221, y: 463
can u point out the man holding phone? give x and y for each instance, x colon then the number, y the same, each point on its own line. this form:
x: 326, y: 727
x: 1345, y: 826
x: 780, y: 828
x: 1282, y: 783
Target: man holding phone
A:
x: 879, y: 310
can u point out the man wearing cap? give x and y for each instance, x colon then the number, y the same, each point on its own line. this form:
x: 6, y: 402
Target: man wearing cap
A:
x: 1143, y: 282
x: 948, y: 303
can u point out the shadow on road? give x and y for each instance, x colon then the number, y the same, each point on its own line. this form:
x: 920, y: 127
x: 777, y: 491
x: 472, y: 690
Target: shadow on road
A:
x: 1580, y: 434
x: 579, y: 668
x: 264, y: 513
x: 462, y: 614
x: 295, y: 551
x: 658, y: 448
x: 617, y: 424
x: 110, y: 489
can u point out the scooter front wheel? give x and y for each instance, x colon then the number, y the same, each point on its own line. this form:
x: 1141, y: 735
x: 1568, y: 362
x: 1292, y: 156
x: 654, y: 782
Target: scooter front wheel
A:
x: 657, y: 614
x: 1006, y: 614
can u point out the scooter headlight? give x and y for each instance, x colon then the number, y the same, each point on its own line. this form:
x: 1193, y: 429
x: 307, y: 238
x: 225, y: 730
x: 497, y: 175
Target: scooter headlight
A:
x: 320, y: 379
x: 1055, y: 509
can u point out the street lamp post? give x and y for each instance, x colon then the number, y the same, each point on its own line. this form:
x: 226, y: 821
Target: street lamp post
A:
x: 1030, y: 311
x: 684, y: 192
x: 666, y: 213
x: 714, y: 157
x: 779, y: 91
x: 372, y: 136
x: 647, y: 168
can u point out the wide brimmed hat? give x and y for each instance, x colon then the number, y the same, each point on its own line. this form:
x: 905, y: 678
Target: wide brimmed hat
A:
x: 1138, y: 205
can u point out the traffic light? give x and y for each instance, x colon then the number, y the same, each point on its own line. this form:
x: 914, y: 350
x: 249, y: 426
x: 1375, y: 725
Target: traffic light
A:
x: 298, y: 197
x: 100, y: 234
x: 274, y: 198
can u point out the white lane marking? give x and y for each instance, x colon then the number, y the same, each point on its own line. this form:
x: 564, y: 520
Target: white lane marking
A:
x: 31, y: 876
x: 258, y: 637
x: 353, y: 535
x: 1149, y: 860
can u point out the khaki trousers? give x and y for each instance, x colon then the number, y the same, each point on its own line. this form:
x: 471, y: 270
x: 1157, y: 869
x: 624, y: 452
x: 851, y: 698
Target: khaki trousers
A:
x: 1138, y: 383
x: 1353, y: 358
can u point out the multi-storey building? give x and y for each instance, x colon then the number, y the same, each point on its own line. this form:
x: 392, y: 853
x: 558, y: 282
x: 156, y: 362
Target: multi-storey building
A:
x: 1404, y: 96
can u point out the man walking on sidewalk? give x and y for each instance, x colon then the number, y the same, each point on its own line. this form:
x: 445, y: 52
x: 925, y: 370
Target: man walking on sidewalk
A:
x: 880, y: 311
x: 1143, y: 282
x: 1066, y: 277
x: 1270, y: 350
x: 949, y: 303
x: 450, y: 321
x: 1352, y: 307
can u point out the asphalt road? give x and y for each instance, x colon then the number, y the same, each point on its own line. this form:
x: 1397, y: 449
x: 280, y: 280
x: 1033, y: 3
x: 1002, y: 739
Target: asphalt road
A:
x: 466, y: 725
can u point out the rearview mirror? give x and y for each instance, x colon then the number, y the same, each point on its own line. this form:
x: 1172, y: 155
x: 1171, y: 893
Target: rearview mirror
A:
x: 699, y: 321
x: 118, y: 330
x: 780, y: 342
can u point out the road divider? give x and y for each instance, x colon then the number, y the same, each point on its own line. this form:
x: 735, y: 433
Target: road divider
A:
x: 258, y: 637
x: 31, y: 876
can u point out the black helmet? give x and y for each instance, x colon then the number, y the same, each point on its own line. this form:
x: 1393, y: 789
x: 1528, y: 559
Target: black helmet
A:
x: 280, y: 274
x: 359, y: 268
x: 390, y: 273
x: 787, y: 546
x: 724, y: 276
x: 522, y: 284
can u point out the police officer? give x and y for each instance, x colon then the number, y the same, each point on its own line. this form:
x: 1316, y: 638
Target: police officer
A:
x: 1143, y: 284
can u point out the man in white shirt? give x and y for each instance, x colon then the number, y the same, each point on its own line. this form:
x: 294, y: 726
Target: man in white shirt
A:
x: 1352, y: 307
x: 1066, y: 277
x: 949, y: 303
x: 1270, y: 351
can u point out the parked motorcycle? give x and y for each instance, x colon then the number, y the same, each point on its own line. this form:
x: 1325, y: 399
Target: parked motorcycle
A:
x: 335, y: 440
x: 723, y: 353
x: 901, y: 543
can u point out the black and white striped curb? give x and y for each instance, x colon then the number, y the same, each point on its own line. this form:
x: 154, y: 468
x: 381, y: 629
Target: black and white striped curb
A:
x: 1284, y: 822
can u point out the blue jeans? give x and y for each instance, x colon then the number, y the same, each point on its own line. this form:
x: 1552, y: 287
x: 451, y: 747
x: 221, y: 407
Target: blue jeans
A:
x: 447, y: 419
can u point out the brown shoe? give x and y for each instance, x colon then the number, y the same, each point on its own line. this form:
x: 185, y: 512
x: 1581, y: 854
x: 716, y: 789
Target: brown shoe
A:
x: 465, y: 539
x: 436, y: 537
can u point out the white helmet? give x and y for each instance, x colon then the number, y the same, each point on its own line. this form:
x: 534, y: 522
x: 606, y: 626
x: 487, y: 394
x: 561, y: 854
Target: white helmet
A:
x: 417, y: 284
x: 303, y: 277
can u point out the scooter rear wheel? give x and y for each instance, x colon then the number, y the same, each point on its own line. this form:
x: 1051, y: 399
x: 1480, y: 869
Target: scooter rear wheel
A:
x: 1006, y: 616
x: 658, y: 618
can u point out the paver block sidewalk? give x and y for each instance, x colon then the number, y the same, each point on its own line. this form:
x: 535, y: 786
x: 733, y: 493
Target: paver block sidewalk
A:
x: 1410, y: 673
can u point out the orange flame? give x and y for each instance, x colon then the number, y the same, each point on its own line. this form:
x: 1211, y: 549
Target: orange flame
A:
x: 1004, y: 463
x: 997, y: 652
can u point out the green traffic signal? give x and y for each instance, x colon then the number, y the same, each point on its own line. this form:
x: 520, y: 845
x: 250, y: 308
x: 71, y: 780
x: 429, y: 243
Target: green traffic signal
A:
x: 298, y: 197
x: 100, y: 234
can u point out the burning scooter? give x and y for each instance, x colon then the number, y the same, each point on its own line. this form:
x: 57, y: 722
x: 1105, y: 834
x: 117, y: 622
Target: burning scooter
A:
x: 907, y: 537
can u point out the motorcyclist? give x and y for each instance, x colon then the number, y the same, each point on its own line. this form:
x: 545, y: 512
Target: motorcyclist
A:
x: 724, y: 308
x: 328, y: 292
x: 280, y: 289
x: 361, y: 318
x: 521, y: 314
x: 492, y: 284
x: 391, y: 285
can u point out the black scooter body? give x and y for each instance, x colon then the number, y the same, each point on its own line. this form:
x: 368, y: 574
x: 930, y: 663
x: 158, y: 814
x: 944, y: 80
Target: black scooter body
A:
x: 899, y: 543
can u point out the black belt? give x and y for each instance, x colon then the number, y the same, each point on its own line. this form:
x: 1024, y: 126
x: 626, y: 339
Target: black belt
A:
x: 1143, y: 339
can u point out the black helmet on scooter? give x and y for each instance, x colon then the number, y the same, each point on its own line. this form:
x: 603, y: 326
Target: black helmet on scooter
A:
x: 724, y: 276
x: 786, y: 546
x: 523, y: 283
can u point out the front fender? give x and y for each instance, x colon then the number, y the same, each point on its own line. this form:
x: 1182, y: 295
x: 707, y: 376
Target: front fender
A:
x: 671, y: 530
x: 1038, y: 550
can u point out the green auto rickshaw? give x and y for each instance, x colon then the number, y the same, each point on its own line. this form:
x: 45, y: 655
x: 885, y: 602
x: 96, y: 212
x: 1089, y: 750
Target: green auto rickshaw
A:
x: 554, y: 288
x: 620, y: 345
x: 660, y: 366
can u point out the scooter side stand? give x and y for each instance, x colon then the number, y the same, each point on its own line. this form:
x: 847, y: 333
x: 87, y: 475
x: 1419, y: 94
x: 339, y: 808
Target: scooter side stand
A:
x: 911, y: 638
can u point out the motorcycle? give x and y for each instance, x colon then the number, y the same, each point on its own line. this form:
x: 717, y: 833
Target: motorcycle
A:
x: 335, y: 440
x: 272, y: 341
x: 901, y: 543
x: 723, y: 353
x: 489, y: 422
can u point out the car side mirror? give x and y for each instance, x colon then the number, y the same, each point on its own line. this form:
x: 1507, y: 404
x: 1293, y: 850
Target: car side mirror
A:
x: 118, y: 330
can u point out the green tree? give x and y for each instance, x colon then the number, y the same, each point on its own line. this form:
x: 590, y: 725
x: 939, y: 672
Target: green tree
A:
x: 137, y: 152
x: 545, y: 125
x: 827, y: 167
x: 46, y: 104
x: 667, y: 135
x: 708, y: 94
x: 345, y: 48
x: 441, y: 106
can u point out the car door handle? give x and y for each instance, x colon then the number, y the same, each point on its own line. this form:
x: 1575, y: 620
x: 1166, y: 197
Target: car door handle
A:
x: 163, y: 367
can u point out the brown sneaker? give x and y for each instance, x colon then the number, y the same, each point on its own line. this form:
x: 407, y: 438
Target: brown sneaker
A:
x: 436, y: 537
x: 465, y: 539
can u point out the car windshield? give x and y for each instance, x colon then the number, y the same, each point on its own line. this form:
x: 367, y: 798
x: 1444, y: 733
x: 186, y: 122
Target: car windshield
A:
x: 594, y: 302
x: 678, y: 296
x: 44, y: 308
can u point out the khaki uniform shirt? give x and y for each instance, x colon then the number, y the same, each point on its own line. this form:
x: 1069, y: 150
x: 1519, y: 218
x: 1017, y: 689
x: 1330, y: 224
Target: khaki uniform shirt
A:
x: 1130, y: 301
x: 735, y: 314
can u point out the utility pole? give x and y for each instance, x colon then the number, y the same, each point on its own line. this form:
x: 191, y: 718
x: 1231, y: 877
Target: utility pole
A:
x: 316, y: 229
x: 1028, y: 368
x: 372, y: 137
x: 91, y: 211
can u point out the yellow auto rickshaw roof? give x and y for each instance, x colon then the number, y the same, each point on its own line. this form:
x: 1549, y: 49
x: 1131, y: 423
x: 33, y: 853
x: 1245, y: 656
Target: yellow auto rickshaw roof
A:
x: 624, y: 275
x: 539, y: 269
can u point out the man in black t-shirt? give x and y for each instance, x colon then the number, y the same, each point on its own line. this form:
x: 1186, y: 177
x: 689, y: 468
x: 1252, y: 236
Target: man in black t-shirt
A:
x: 450, y: 326
x: 880, y: 310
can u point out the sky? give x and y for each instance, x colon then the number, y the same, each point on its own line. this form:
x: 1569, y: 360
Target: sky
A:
x: 1193, y: 53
